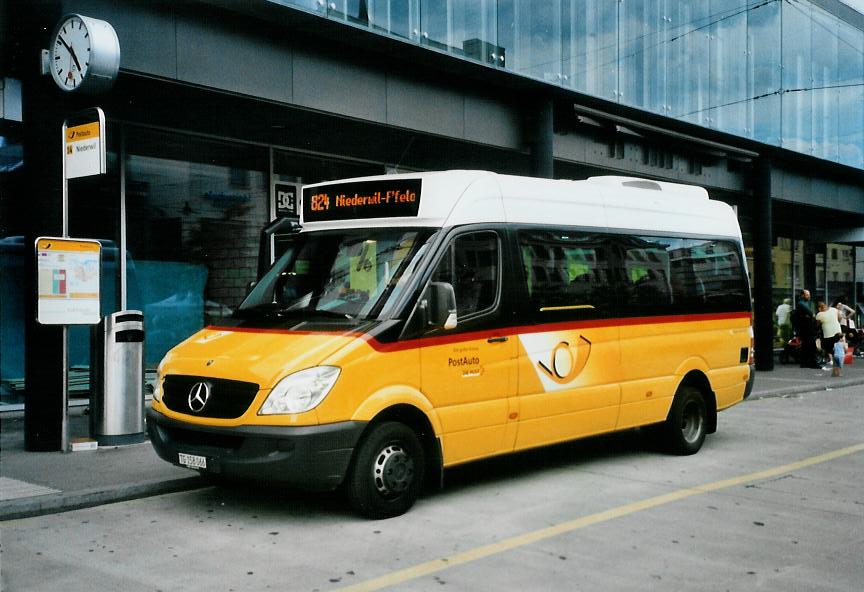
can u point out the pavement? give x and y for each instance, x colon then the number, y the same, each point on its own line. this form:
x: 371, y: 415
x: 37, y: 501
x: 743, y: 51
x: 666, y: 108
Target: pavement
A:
x: 37, y: 483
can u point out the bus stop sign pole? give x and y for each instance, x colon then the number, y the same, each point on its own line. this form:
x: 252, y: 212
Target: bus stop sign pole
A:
x: 68, y: 281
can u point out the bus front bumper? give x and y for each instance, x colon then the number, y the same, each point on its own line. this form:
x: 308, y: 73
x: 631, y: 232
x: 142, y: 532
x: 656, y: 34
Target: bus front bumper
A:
x: 309, y: 457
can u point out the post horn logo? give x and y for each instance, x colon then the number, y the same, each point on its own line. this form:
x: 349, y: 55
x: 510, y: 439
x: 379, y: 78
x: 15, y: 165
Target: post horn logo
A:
x: 199, y: 394
x: 565, y: 364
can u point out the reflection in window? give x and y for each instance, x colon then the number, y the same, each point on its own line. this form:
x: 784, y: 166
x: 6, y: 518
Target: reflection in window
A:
x: 345, y: 274
x: 464, y: 27
x: 590, y: 47
x: 642, y: 65
x: 199, y: 206
x: 785, y: 73
x: 677, y: 276
x: 471, y: 266
x: 850, y: 82
x: 764, y: 73
x: 797, y: 78
x: 728, y: 66
x: 530, y: 32
x: 393, y: 16
x: 567, y: 274
x: 688, y: 51
x: 824, y: 84
x: 647, y: 268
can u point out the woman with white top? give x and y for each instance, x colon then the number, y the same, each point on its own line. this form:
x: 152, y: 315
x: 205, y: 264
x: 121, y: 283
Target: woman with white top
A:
x: 828, y: 318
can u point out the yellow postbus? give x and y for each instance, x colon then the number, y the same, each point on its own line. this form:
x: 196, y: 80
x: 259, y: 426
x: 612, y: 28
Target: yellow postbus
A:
x: 420, y: 321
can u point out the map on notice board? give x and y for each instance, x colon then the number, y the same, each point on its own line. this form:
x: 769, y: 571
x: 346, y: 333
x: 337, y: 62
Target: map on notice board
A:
x: 68, y: 281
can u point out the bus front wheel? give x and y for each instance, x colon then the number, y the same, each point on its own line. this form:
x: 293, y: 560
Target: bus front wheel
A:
x: 387, y: 471
x: 685, y: 427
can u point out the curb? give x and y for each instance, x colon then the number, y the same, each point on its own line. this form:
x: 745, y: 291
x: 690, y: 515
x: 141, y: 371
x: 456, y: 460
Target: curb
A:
x: 88, y: 498
x: 805, y: 388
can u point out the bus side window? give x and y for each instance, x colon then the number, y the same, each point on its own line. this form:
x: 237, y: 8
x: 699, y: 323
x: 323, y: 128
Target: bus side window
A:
x: 471, y: 264
x: 714, y: 275
x: 566, y: 274
x: 680, y: 276
x: 647, y: 275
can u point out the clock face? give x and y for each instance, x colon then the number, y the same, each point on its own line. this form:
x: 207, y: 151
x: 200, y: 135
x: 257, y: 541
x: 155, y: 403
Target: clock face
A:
x: 70, y: 54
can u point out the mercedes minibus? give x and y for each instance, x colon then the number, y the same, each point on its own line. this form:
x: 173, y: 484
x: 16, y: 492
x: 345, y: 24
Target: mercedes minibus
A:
x: 421, y: 321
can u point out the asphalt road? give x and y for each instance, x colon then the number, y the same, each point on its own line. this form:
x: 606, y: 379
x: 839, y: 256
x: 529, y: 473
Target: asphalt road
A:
x: 774, y: 501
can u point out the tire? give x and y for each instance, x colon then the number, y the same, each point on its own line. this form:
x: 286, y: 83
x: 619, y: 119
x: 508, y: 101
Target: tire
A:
x: 685, y: 427
x: 387, y: 473
x: 784, y: 357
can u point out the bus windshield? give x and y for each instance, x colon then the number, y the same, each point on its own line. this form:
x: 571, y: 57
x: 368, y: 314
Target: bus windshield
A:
x: 347, y: 274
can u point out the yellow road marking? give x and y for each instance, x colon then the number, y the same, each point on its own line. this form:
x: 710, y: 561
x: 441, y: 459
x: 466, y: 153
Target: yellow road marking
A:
x: 436, y: 565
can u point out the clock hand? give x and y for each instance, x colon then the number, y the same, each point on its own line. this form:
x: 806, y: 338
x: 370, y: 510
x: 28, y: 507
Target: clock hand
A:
x: 71, y: 52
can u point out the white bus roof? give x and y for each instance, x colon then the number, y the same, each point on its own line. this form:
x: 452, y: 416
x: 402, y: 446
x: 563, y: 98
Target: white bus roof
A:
x: 452, y: 198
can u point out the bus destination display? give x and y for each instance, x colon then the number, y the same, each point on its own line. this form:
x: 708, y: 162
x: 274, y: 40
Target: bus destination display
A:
x: 363, y: 199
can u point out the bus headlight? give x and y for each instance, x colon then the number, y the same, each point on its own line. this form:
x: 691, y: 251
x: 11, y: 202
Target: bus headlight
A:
x: 157, y: 386
x: 300, y: 391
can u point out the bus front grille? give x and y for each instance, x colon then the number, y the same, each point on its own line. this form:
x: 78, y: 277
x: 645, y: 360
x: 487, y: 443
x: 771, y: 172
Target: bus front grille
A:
x: 208, y: 397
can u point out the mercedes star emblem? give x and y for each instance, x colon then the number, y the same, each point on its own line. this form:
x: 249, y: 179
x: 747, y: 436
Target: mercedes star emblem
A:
x: 198, y: 396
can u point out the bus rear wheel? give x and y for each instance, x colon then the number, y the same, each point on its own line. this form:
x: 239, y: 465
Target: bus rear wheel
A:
x: 387, y: 471
x: 685, y: 427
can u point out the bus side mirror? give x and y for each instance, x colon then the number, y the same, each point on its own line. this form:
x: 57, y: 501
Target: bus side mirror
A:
x: 440, y: 300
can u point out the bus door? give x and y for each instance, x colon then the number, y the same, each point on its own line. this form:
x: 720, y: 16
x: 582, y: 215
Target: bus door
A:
x: 468, y: 372
x: 569, y: 359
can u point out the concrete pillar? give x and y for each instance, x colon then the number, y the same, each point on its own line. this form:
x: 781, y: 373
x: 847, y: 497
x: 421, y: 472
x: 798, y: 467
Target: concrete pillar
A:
x: 539, y: 122
x: 763, y: 319
x: 42, y: 142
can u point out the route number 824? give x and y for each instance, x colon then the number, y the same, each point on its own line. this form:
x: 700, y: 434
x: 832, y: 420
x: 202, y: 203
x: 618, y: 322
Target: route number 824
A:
x: 320, y: 202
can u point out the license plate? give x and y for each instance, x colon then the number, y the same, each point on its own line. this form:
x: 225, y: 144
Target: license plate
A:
x: 193, y: 461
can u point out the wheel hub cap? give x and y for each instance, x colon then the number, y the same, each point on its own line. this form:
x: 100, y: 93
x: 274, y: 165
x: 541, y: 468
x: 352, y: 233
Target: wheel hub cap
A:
x: 691, y: 424
x: 393, y: 470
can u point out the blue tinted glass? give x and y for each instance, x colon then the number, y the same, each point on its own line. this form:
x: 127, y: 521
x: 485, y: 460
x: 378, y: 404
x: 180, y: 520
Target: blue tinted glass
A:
x: 825, y: 90
x: 797, y: 104
x: 530, y: 33
x: 786, y: 73
x: 642, y: 64
x: 433, y: 23
x: 763, y: 72
x: 464, y: 27
x: 590, y: 47
x: 728, y: 63
x: 687, y: 76
x: 850, y: 80
x: 396, y: 17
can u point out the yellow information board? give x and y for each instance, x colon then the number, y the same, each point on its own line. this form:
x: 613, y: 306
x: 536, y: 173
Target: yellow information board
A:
x: 68, y: 279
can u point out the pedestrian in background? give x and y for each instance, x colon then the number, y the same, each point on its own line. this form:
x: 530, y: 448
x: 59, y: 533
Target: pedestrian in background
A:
x: 829, y: 320
x: 846, y: 315
x: 784, y: 318
x: 804, y: 324
x: 839, y: 356
x: 783, y: 311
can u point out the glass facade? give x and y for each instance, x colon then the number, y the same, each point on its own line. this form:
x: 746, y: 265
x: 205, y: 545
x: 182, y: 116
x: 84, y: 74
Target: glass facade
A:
x: 195, y: 208
x: 786, y: 73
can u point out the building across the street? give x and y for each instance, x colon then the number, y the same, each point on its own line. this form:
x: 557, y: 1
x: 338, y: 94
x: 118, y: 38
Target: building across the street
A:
x: 221, y: 109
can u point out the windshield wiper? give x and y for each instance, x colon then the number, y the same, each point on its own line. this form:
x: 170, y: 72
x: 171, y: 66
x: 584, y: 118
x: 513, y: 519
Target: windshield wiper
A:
x: 267, y: 309
x: 331, y: 314
x: 276, y: 310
